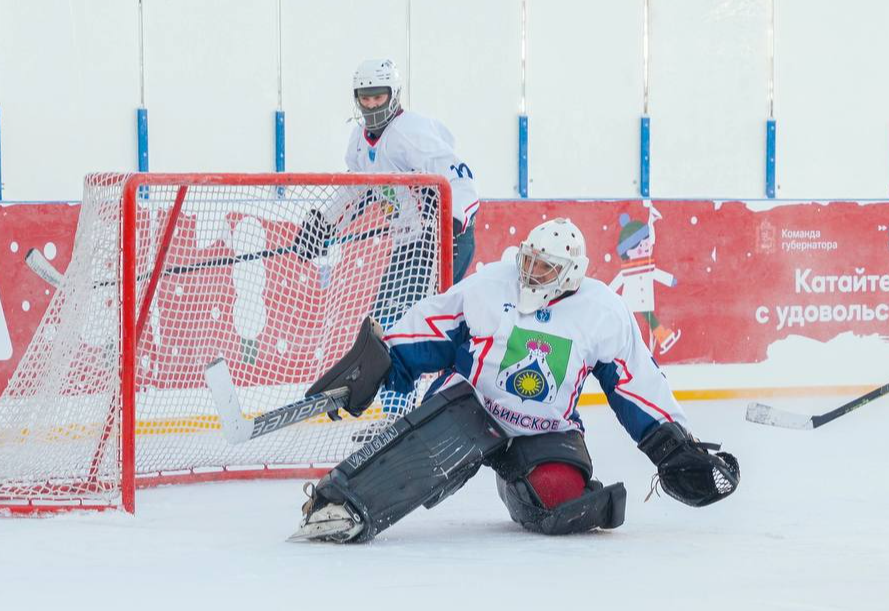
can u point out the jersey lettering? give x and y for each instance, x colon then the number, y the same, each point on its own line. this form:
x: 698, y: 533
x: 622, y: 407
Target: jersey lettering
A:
x: 460, y: 169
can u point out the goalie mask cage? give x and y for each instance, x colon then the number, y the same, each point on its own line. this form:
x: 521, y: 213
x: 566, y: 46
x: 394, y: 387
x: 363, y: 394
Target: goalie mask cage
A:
x: 170, y: 271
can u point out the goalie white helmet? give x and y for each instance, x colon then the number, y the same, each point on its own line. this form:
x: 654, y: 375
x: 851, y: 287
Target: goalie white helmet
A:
x: 551, y: 262
x: 373, y: 77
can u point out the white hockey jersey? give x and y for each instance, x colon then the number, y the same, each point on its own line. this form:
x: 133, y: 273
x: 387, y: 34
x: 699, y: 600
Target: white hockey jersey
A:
x: 529, y: 369
x: 414, y: 143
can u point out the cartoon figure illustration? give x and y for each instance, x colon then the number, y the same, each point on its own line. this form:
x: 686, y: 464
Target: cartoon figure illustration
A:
x: 638, y: 274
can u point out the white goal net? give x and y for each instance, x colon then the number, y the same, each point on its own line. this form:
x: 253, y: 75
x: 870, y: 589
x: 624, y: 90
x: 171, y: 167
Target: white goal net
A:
x: 275, y: 273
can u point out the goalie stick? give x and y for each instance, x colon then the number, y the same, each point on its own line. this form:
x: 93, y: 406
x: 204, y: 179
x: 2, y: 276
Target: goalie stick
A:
x: 766, y: 414
x: 48, y: 272
x: 238, y: 428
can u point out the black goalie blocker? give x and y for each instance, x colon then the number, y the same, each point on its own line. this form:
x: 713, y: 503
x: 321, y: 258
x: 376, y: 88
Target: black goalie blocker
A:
x: 361, y: 370
x: 418, y: 460
x: 687, y: 470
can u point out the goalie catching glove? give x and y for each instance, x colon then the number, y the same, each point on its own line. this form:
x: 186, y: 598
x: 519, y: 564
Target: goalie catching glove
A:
x: 686, y: 469
x: 314, y: 238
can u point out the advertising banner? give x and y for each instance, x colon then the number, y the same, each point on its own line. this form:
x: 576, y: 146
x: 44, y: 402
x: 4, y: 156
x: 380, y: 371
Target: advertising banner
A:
x: 718, y: 281
x: 711, y: 282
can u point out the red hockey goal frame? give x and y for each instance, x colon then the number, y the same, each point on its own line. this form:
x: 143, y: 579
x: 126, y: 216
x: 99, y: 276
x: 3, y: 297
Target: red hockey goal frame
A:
x: 134, y: 316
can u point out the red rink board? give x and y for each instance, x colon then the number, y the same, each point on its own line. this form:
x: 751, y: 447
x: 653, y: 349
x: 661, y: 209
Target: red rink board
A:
x: 24, y: 296
x: 731, y: 262
x: 744, y: 279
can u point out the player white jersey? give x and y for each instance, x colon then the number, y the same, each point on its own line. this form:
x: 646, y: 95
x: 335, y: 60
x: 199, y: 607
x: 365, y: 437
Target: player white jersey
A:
x: 529, y: 369
x: 414, y: 143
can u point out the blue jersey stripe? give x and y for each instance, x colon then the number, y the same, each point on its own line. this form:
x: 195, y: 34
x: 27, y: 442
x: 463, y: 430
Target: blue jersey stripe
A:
x: 635, y: 420
x: 410, y: 360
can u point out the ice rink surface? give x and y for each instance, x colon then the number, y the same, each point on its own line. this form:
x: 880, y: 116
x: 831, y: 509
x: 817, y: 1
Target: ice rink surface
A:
x: 807, y: 530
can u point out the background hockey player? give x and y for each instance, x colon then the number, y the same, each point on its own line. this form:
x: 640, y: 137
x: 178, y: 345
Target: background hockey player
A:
x: 388, y: 139
x: 516, y: 341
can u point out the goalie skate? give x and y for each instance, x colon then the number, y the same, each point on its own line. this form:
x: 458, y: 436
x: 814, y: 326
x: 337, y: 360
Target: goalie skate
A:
x: 329, y: 523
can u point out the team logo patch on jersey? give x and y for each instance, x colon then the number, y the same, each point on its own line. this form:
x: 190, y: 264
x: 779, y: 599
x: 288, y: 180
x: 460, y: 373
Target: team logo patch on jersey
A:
x: 543, y: 315
x: 534, y: 365
x: 372, y: 154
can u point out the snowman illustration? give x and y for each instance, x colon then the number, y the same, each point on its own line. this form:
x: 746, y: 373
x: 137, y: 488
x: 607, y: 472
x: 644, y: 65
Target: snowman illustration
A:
x: 638, y: 274
x: 531, y: 378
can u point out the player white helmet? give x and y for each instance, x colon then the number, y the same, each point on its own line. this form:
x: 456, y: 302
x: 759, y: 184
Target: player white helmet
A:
x: 375, y: 76
x: 551, y: 262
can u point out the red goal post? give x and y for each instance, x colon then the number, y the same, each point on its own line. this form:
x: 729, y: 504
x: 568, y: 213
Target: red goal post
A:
x: 172, y: 270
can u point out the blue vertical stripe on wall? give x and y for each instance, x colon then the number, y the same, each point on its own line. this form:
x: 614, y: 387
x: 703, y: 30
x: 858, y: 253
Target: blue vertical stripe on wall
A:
x: 1, y: 164
x: 770, y: 158
x: 142, y: 133
x: 644, y: 156
x: 279, y: 140
x: 523, y: 155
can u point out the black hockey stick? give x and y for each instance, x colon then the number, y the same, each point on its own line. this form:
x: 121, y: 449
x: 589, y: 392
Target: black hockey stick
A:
x: 273, y: 252
x: 238, y: 428
x: 765, y: 414
x: 46, y: 270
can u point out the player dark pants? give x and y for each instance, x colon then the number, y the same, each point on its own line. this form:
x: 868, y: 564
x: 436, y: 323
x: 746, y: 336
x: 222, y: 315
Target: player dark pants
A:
x: 399, y: 286
x: 464, y: 249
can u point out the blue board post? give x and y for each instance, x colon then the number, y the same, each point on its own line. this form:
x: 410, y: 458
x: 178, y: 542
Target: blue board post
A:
x: 279, y: 140
x: 523, y: 156
x: 770, y: 158
x: 1, y: 166
x: 142, y: 136
x: 645, y: 156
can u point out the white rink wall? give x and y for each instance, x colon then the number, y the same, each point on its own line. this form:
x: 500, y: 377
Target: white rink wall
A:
x: 70, y: 86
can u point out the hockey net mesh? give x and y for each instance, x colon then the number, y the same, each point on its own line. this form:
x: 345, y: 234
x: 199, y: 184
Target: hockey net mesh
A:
x: 242, y: 280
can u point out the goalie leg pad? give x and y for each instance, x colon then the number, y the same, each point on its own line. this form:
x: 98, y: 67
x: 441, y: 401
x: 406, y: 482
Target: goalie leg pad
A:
x: 418, y: 460
x: 596, y: 506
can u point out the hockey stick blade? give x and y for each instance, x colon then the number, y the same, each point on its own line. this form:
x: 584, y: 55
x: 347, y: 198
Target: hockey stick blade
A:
x: 43, y: 268
x: 766, y: 414
x: 235, y: 427
x: 238, y: 428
